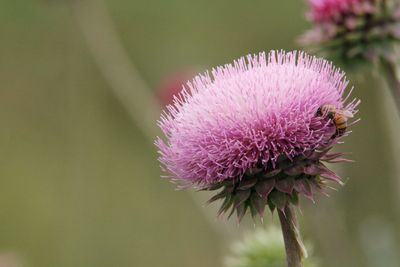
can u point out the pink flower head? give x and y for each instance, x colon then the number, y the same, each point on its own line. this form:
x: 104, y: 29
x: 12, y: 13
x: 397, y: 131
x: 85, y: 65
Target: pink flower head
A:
x: 335, y: 10
x: 249, y: 114
x: 354, y: 31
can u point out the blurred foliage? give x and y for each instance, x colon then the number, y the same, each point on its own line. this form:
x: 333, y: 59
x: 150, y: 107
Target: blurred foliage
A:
x: 260, y: 248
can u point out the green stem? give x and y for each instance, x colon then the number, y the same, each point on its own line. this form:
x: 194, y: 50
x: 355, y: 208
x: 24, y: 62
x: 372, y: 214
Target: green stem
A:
x: 390, y: 70
x: 295, y: 250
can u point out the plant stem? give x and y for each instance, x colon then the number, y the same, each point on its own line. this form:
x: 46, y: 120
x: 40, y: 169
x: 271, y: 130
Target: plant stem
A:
x: 390, y: 70
x: 295, y: 250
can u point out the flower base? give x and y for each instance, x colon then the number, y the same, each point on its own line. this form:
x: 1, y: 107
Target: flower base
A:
x: 277, y: 186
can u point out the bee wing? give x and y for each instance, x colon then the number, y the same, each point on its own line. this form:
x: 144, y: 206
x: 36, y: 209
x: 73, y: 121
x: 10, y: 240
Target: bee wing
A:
x: 345, y: 113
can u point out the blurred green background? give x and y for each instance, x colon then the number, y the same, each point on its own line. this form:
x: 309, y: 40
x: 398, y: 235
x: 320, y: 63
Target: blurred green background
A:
x: 79, y: 178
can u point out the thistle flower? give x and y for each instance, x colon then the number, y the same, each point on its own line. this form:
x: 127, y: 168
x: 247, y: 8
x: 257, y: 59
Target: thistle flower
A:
x: 354, y: 30
x: 255, y: 130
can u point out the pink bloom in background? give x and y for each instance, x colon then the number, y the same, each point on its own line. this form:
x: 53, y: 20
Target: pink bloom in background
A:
x: 11, y: 260
x: 334, y: 10
x: 354, y: 31
x: 249, y: 113
x: 172, y: 85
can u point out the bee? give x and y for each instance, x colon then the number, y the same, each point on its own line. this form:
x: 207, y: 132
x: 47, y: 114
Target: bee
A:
x: 338, y: 116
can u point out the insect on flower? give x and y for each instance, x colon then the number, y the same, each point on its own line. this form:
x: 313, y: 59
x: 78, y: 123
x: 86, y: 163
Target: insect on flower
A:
x: 338, y: 116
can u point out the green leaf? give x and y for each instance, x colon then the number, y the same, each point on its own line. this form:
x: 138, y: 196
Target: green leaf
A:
x: 270, y: 174
x: 227, y: 191
x: 228, y: 202
x: 279, y: 199
x: 258, y: 204
x: 247, y: 183
x: 241, y: 211
x: 264, y: 187
x: 240, y: 197
x: 285, y: 185
x: 271, y: 205
x: 253, y: 212
x: 294, y: 198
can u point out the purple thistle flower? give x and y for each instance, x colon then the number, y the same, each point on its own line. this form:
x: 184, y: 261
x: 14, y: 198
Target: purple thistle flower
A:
x: 328, y: 11
x: 256, y: 129
x: 354, y: 29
